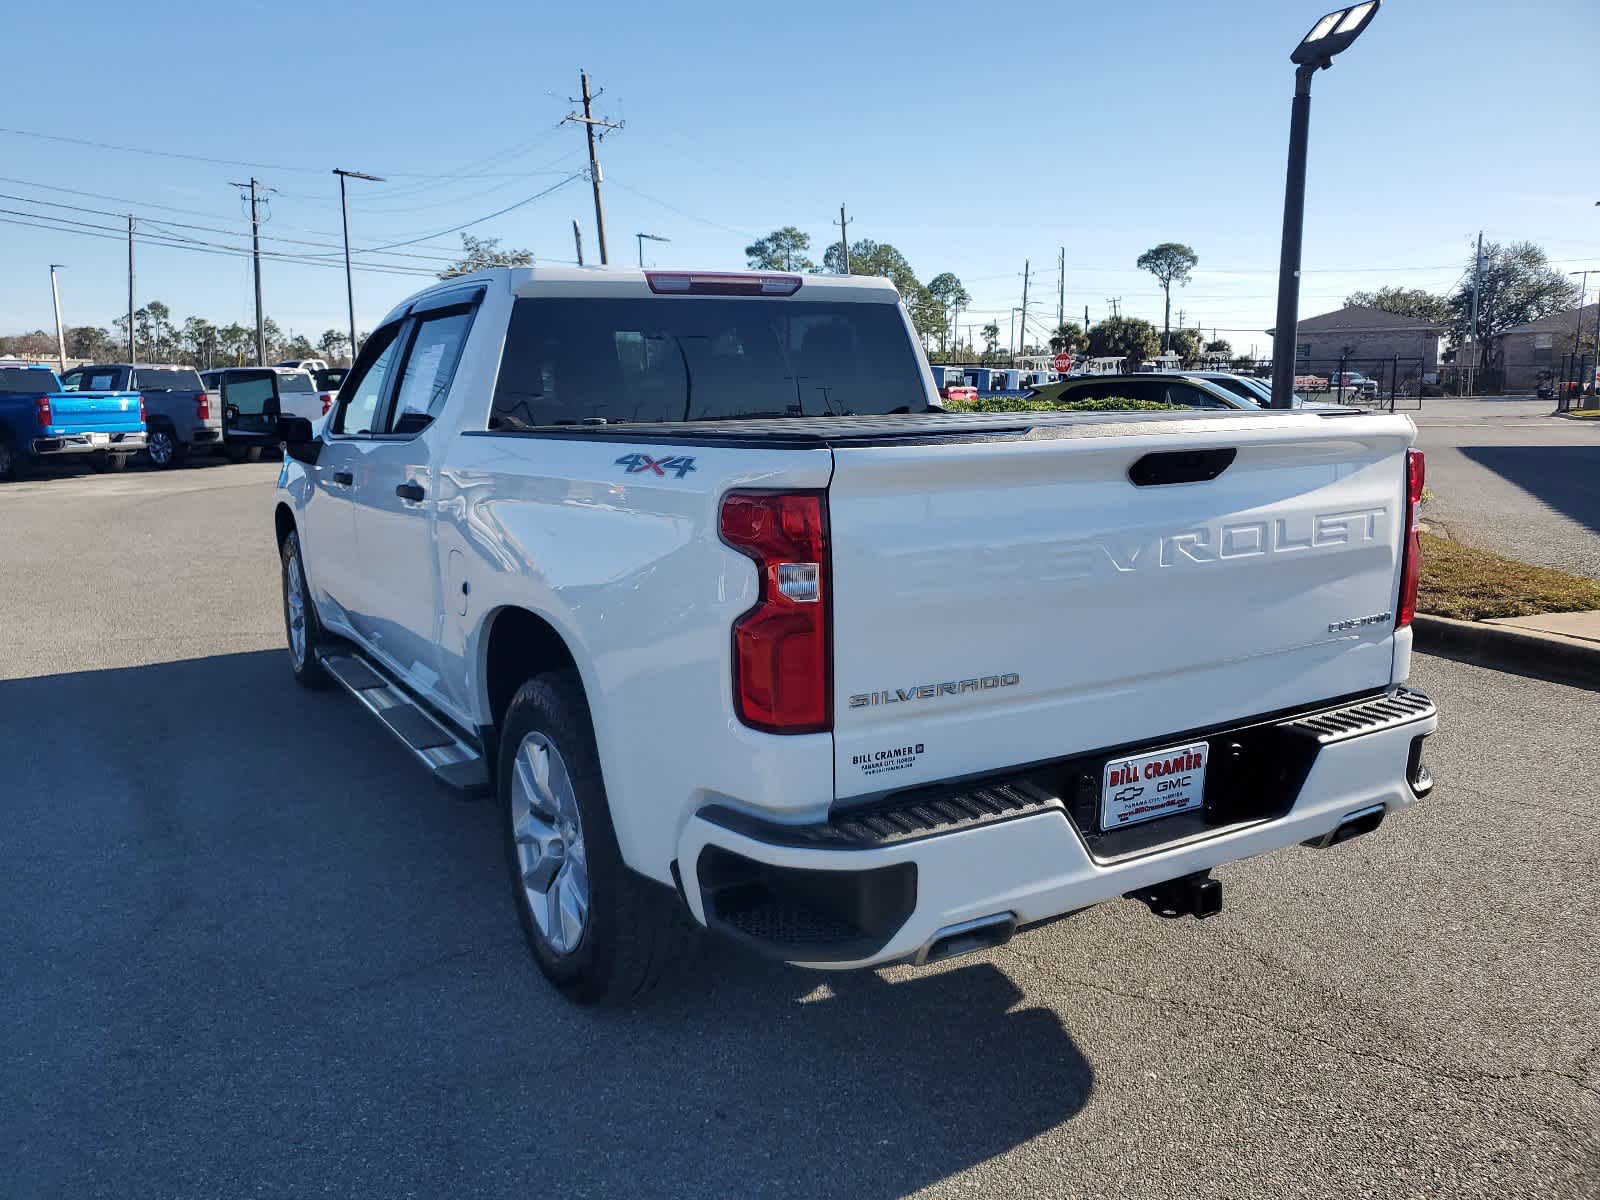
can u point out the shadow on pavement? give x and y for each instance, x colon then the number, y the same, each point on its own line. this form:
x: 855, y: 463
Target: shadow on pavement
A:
x: 1562, y: 477
x: 252, y: 948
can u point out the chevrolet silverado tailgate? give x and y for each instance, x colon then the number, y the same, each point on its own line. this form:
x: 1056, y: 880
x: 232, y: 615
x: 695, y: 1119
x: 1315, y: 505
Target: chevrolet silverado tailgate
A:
x: 1009, y: 599
x: 116, y: 412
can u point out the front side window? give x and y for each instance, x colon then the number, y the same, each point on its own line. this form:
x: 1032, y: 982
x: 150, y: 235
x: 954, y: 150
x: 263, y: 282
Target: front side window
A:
x: 431, y: 365
x: 363, y: 392
x: 72, y: 380
x: 572, y: 361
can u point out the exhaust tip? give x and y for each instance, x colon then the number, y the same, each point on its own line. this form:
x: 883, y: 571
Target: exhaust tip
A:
x: 1355, y: 824
x: 968, y: 937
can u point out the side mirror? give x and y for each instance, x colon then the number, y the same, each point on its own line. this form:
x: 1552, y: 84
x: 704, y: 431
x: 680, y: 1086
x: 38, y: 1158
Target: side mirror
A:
x: 300, y: 441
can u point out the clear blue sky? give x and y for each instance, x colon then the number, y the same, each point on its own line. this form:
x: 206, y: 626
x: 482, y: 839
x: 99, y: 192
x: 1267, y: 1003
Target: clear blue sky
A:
x: 970, y: 139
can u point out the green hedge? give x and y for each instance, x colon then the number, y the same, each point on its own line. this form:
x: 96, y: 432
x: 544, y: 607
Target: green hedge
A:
x: 1029, y: 404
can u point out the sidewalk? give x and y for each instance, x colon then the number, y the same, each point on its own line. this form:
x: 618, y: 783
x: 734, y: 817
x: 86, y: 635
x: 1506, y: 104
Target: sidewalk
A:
x: 1580, y: 627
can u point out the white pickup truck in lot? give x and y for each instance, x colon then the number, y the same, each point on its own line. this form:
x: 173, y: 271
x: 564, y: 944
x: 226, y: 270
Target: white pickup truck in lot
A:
x: 689, y: 571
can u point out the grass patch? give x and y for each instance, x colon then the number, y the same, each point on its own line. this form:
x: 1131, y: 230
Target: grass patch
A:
x: 1583, y: 414
x: 990, y: 404
x: 1474, y: 585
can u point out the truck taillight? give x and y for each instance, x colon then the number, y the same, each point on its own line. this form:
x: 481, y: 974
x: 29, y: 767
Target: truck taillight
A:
x: 1411, y: 543
x: 41, y: 409
x: 202, y: 407
x: 327, y: 402
x: 141, y: 410
x: 780, y: 647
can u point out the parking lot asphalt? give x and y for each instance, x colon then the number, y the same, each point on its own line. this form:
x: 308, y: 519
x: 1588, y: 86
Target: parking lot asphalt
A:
x: 1507, y: 476
x: 249, y: 949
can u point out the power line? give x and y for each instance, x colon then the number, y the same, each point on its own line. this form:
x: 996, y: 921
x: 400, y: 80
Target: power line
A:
x: 478, y: 220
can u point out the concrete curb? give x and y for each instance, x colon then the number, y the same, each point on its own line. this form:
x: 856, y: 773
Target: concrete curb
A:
x: 1505, y: 648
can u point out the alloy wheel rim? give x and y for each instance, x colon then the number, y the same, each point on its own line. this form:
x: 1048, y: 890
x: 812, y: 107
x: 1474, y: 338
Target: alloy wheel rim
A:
x: 295, y: 603
x: 552, y: 862
x: 160, y: 448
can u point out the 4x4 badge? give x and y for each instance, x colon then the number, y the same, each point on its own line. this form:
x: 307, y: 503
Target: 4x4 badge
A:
x: 680, y: 464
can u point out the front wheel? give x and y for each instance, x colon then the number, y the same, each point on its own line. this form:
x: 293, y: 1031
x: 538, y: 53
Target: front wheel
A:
x: 300, y: 622
x: 599, y: 933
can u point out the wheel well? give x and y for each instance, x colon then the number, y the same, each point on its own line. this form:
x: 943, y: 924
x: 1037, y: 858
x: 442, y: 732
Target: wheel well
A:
x: 520, y: 645
x: 283, y: 519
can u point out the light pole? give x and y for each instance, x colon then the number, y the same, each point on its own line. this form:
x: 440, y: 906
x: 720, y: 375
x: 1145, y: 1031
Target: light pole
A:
x: 349, y: 284
x: 1329, y: 36
x: 61, y: 341
x: 647, y: 237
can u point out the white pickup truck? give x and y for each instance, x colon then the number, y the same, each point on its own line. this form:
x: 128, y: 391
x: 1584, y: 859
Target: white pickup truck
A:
x: 691, y: 573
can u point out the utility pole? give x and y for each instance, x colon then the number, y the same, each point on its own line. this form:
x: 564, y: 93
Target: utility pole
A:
x: 844, y: 239
x: 61, y: 340
x: 1472, y: 334
x: 349, y: 286
x: 577, y: 239
x: 596, y: 177
x: 256, y: 188
x: 1086, y: 320
x: 1022, y: 344
x: 1116, y: 306
x: 131, y: 345
x: 1061, y: 287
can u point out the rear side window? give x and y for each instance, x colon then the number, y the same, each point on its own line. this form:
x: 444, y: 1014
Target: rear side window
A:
x: 152, y: 379
x: 568, y: 361
x: 26, y: 379
x: 296, y: 381
x: 1190, y: 396
x: 72, y: 381
x: 431, y: 365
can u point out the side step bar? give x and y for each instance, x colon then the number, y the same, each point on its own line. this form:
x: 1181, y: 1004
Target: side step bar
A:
x: 455, y: 763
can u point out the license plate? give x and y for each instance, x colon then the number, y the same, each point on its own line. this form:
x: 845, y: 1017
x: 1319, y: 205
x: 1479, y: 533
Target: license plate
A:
x: 1146, y: 786
x: 99, y: 439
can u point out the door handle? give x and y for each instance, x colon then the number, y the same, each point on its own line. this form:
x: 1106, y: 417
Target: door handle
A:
x: 409, y: 491
x: 343, y: 478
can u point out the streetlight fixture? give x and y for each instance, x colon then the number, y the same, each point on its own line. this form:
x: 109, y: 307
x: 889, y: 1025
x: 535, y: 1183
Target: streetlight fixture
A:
x: 647, y: 237
x: 349, y: 284
x: 61, y: 341
x: 1331, y: 35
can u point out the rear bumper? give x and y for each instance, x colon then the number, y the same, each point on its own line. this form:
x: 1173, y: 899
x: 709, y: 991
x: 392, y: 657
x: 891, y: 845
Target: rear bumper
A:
x: 79, y: 443
x: 838, y: 895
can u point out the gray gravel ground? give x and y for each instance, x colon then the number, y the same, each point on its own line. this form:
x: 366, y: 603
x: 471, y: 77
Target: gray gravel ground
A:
x: 250, y: 950
x: 1507, y: 476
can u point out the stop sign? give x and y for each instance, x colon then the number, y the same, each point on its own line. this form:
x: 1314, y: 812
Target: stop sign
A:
x: 1063, y: 363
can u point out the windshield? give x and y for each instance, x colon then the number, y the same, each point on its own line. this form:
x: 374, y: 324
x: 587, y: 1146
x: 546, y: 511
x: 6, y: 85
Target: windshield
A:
x: 166, y: 379
x: 689, y: 359
x: 27, y: 379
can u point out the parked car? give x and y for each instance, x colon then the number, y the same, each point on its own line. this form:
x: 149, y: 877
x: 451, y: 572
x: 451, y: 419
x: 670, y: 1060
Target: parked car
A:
x: 181, y: 416
x: 1157, y: 387
x: 329, y: 379
x: 312, y: 365
x: 254, y: 398
x: 39, y: 421
x: 603, y: 519
x: 958, y: 391
x: 1257, y: 391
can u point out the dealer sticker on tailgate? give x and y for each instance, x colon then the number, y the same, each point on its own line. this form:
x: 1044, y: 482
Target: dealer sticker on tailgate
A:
x: 1153, y: 785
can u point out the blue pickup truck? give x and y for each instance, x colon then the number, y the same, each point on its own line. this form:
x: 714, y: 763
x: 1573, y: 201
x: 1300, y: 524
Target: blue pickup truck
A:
x: 39, y: 421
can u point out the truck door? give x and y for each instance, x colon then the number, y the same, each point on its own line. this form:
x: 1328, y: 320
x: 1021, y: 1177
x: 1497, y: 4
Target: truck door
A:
x: 393, y: 498
x: 249, y: 409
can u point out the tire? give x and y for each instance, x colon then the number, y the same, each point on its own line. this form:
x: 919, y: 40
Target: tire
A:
x: 102, y: 461
x: 620, y: 941
x: 164, y: 448
x: 303, y: 661
x: 242, y: 454
x: 11, y: 464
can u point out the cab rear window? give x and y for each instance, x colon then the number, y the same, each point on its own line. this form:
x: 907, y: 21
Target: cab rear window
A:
x: 576, y: 361
x: 159, y: 379
x: 26, y: 379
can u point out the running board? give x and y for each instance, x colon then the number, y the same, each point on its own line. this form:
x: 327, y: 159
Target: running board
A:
x: 456, y: 764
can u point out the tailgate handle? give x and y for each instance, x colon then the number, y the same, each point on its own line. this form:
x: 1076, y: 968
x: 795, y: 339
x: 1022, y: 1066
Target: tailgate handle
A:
x: 1180, y: 466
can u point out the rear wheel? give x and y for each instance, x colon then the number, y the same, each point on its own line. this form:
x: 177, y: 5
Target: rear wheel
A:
x: 300, y: 622
x: 10, y: 463
x: 240, y: 454
x: 599, y: 932
x: 165, y: 449
x: 100, y: 460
